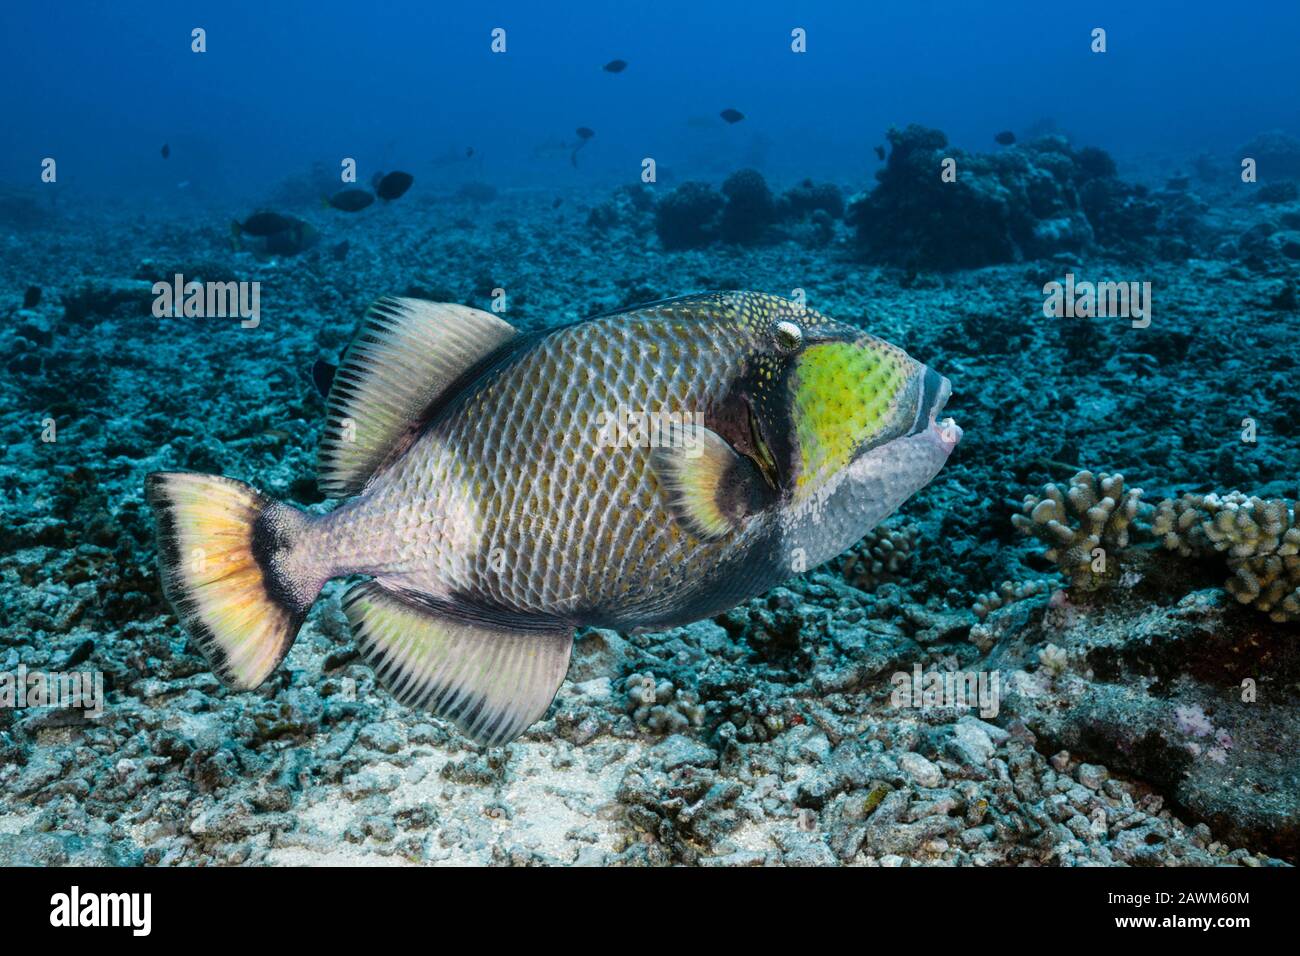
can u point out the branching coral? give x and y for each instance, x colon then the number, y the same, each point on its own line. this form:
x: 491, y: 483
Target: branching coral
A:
x: 879, y: 557
x: 660, y: 706
x: 985, y: 634
x: 1008, y: 593
x: 1259, y: 538
x: 1093, y: 513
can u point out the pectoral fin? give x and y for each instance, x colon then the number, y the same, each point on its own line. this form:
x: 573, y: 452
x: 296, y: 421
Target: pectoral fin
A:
x: 710, y: 487
x: 493, y: 682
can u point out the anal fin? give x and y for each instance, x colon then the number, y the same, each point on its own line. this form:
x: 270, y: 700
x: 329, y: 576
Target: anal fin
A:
x: 492, y: 681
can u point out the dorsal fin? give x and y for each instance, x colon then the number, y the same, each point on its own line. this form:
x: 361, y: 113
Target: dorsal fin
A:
x: 407, y: 352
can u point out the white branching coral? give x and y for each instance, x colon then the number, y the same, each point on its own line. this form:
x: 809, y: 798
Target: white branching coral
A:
x: 659, y: 705
x: 1083, y: 526
x: 1055, y: 660
x: 1259, y: 539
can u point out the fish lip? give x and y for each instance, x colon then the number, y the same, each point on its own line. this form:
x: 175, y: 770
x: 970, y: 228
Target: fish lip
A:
x: 948, y: 432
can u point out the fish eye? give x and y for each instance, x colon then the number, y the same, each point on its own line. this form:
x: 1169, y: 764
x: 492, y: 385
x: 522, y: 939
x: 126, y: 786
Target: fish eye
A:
x: 788, y: 336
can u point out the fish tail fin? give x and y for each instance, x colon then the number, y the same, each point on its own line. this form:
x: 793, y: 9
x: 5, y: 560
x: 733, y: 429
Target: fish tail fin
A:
x: 235, y: 569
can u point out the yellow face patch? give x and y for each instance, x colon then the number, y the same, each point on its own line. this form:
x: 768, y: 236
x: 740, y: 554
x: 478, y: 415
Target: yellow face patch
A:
x: 845, y: 393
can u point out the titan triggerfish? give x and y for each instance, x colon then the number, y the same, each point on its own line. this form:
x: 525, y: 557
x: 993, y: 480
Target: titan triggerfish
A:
x: 497, y: 489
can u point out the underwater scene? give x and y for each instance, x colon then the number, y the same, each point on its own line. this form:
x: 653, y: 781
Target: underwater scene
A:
x: 705, y: 434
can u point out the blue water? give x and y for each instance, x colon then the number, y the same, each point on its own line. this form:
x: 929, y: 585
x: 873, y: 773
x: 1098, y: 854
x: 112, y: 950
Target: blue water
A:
x: 102, y: 86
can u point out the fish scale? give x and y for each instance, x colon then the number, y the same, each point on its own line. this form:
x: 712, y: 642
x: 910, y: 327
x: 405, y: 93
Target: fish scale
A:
x: 540, y: 531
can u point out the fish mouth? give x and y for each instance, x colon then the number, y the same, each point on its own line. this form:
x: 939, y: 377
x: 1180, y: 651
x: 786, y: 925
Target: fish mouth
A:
x: 935, y: 392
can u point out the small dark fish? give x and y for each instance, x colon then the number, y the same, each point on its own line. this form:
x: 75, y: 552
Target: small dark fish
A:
x: 262, y: 224
x: 351, y: 200
x: 322, y: 374
x: 280, y: 235
x: 880, y: 153
x: 299, y: 237
x: 1005, y: 138
x: 615, y: 66
x: 32, y: 297
x: 584, y: 133
x: 393, y: 185
x: 340, y: 251
x: 732, y: 116
x: 166, y: 151
x: 557, y: 203
x: 469, y: 151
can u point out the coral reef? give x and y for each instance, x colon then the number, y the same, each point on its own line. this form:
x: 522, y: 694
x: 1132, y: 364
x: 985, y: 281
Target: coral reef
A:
x: 1084, y: 526
x: 660, y: 706
x: 884, y: 554
x: 1259, y: 539
x: 744, y: 213
x: 1008, y: 593
x: 1276, y: 155
x: 687, y: 217
x: 808, y: 198
x: 1034, y: 200
x: 751, y: 208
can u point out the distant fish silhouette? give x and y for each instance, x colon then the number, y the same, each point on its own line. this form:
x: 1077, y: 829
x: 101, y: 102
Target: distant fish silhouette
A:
x: 1005, y: 138
x: 615, y: 66
x: 280, y: 235
x: 392, y: 185
x: 880, y: 153
x: 584, y: 136
x: 351, y: 200
x: 263, y: 224
x: 732, y: 116
x: 166, y: 150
